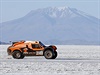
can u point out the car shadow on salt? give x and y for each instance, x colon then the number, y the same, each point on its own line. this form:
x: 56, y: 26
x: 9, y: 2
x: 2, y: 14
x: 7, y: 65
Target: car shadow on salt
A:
x: 77, y: 59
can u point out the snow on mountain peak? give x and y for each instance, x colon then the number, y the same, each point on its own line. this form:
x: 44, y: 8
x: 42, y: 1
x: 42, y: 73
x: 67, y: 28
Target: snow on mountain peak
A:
x: 56, y: 12
x: 63, y: 8
x: 59, y: 12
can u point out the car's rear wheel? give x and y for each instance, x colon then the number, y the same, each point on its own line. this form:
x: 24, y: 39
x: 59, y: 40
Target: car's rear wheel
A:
x: 48, y: 54
x: 22, y: 56
x: 17, y: 55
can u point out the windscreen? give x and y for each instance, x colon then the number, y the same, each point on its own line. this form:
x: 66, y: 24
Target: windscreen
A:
x: 41, y: 44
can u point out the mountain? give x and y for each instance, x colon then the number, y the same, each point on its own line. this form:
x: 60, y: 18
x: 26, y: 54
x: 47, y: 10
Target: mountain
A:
x: 3, y: 43
x: 58, y: 25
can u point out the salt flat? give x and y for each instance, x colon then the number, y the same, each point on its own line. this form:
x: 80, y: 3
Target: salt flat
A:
x: 71, y: 60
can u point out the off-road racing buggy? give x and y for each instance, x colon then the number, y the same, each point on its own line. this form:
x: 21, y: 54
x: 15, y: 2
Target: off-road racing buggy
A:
x: 20, y: 49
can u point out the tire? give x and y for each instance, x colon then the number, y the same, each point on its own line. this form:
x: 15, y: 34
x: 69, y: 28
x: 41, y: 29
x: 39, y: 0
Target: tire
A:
x: 17, y: 55
x: 22, y: 56
x: 48, y: 54
x: 55, y: 55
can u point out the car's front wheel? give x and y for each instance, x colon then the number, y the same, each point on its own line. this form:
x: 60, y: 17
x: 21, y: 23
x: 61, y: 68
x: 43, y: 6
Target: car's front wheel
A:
x: 48, y: 54
x: 55, y: 55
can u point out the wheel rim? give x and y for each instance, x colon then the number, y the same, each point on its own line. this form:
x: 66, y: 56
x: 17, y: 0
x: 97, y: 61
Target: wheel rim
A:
x: 17, y: 55
x: 48, y: 54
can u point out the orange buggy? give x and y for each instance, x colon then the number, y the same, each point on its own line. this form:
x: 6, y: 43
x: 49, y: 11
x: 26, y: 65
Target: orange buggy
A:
x: 20, y: 49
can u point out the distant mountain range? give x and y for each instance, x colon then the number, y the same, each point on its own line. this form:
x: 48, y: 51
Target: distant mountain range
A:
x: 3, y: 43
x: 54, y: 25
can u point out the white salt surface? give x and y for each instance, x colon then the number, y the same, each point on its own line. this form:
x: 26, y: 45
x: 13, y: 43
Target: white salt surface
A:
x: 71, y: 60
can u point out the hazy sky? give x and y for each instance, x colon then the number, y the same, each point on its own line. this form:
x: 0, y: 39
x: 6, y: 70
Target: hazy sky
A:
x: 13, y: 9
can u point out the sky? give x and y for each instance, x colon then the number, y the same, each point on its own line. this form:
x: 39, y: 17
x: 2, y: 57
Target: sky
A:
x: 13, y: 9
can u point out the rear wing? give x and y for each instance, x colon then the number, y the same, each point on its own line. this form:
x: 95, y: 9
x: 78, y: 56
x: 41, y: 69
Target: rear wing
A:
x: 17, y: 42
